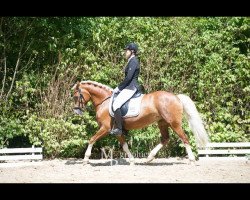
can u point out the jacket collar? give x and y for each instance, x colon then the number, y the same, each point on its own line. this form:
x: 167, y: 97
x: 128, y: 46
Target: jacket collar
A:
x: 131, y: 57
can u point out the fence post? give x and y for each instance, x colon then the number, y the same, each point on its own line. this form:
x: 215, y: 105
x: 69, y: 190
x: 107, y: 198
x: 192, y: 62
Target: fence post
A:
x: 112, y: 156
x: 33, y: 154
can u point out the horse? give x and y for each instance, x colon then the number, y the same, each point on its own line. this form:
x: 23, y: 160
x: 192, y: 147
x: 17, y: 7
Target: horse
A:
x: 162, y: 107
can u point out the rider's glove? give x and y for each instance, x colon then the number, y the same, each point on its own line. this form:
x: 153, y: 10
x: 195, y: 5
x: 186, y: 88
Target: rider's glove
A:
x: 116, y: 90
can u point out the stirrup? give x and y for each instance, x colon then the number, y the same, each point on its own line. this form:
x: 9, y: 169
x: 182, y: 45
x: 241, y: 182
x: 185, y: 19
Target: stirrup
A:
x: 116, y: 131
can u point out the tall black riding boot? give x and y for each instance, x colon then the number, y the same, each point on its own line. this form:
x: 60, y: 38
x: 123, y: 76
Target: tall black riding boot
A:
x: 118, y: 122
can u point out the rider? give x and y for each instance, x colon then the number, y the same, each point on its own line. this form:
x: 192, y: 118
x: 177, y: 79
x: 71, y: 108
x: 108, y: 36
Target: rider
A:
x: 128, y: 87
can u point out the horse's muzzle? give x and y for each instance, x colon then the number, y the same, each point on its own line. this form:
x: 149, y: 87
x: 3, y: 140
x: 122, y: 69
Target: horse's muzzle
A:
x: 78, y: 111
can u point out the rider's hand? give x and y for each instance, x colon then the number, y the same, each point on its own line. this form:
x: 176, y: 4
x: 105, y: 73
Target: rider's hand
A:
x: 116, y: 90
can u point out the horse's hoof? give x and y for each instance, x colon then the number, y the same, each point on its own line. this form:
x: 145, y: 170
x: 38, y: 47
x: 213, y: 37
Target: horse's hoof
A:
x: 132, y: 163
x: 149, y: 159
x: 85, y: 162
x: 192, y: 162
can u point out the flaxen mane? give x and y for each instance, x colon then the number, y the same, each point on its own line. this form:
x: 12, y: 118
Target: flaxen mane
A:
x: 95, y: 84
x: 98, y: 84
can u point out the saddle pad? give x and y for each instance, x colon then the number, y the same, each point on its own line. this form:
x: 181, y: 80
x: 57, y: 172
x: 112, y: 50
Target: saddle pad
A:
x: 134, y: 106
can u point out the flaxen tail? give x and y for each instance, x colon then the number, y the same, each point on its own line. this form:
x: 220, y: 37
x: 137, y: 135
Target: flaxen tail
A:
x: 194, y: 120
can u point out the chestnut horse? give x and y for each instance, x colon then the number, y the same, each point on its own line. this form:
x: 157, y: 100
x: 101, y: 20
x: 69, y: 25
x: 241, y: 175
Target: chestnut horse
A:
x: 162, y: 107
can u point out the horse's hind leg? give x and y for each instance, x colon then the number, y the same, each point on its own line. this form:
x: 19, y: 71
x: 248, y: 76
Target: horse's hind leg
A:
x: 177, y: 128
x: 163, y: 126
x: 124, y: 145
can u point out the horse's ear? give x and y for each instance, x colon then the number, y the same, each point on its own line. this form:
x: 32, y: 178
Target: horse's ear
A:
x: 76, y: 86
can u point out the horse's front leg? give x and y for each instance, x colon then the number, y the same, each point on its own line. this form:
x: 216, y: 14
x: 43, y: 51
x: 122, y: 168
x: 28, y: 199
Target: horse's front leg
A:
x: 99, y: 134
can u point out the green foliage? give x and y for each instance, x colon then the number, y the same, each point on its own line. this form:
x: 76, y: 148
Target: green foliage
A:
x: 41, y: 58
x: 9, y: 128
x: 59, y: 137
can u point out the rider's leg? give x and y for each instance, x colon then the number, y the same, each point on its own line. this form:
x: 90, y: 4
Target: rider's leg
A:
x: 119, y: 101
x: 118, y: 123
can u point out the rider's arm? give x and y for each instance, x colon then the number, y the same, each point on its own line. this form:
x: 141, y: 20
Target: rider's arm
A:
x: 131, y: 70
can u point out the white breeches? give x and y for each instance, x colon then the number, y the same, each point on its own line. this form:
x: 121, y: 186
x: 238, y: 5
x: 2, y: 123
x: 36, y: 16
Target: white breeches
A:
x: 124, y: 95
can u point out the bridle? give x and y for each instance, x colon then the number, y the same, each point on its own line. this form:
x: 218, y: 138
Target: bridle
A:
x: 82, y: 101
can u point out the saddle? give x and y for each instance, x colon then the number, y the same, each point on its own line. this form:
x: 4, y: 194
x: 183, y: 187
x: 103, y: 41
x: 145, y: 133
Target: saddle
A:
x: 130, y: 108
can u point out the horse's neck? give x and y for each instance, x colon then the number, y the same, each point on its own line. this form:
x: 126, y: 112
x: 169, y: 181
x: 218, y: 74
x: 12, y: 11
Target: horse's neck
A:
x: 98, y: 95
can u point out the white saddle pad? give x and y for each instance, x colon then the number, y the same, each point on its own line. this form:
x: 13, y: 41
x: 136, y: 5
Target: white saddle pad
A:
x: 134, y: 107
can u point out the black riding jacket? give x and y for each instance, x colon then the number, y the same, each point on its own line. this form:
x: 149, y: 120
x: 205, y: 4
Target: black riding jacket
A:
x: 132, y: 71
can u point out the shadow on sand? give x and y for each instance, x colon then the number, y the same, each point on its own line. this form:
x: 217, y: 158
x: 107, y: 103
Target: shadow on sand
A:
x: 120, y: 161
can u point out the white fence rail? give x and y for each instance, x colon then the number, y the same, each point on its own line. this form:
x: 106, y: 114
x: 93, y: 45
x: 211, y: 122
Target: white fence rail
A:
x: 26, y: 154
x: 225, y: 150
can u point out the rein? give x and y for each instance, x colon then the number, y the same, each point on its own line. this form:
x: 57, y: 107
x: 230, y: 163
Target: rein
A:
x: 102, y: 101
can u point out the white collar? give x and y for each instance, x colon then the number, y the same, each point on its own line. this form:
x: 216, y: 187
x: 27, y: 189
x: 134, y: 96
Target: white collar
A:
x: 131, y: 57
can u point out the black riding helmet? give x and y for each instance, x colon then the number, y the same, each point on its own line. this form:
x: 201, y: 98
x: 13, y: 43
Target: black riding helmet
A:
x: 132, y: 47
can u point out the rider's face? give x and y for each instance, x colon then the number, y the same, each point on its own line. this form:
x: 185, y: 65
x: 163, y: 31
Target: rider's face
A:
x: 128, y: 54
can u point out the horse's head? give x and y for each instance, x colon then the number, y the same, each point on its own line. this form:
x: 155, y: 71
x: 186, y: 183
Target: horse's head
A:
x: 81, y: 97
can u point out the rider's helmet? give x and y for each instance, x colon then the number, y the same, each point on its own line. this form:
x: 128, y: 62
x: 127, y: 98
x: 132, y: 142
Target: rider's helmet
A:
x: 132, y: 47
